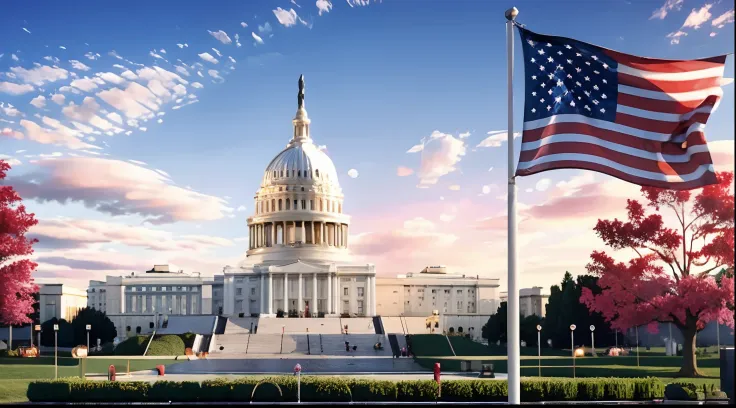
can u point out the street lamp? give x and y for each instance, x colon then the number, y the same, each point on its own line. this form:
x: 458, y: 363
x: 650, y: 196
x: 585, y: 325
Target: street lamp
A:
x: 572, y: 341
x: 38, y: 334
x: 56, y: 352
x: 637, y: 346
x: 539, y: 347
x: 592, y: 338
x: 88, y: 327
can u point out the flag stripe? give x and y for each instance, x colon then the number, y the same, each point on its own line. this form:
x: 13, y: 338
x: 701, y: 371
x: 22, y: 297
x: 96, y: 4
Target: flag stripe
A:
x: 671, y: 152
x: 686, y: 164
x: 597, y: 123
x: 668, y: 86
x: 656, y: 105
x: 665, y: 117
x: 666, y: 66
x: 708, y: 177
x: 658, y: 126
x: 655, y: 174
x: 698, y: 96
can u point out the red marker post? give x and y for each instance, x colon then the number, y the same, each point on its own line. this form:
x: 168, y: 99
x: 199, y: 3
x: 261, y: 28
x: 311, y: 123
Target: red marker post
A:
x: 437, y: 373
x: 298, y: 372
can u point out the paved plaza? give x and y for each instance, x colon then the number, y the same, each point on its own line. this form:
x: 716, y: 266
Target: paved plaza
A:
x: 317, y: 365
x: 147, y: 376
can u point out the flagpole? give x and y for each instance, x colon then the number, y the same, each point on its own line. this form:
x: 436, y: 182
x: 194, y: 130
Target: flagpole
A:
x: 512, y: 329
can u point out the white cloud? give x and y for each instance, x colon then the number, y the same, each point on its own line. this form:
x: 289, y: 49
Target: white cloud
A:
x: 258, y: 39
x: 416, y: 148
x: 39, y: 101
x: 14, y: 57
x: 723, y: 19
x: 214, y: 74
x: 287, y: 18
x: 58, y: 98
x: 352, y: 173
x: 182, y: 70
x: 9, y: 159
x: 324, y: 6
x: 61, y: 135
x: 243, y: 24
x: 675, y: 37
x: 15, y: 89
x: 111, y: 77
x: 92, y: 56
x: 208, y: 57
x: 85, y: 84
x: 219, y: 54
x: 439, y: 156
x: 241, y: 208
x: 9, y: 110
x: 115, y: 117
x: 698, y: 17
x: 221, y: 36
x: 464, y: 135
x: 156, y: 55
x: 713, y: 34
x: 87, y: 113
x: 496, y: 137
x: 40, y: 75
x: 182, y: 45
x: 353, y: 3
x: 197, y: 85
x: 543, y: 184
x: 668, y: 5
x: 129, y: 75
x: 454, y: 187
x: 266, y: 28
x: 26, y: 30
x: 78, y: 65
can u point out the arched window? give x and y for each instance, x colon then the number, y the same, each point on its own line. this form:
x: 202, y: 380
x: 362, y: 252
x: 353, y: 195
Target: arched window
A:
x: 321, y: 205
x: 302, y: 188
x: 339, y: 208
x: 287, y: 173
x: 273, y: 205
x: 280, y: 205
x: 288, y: 204
x: 459, y: 329
x: 311, y: 205
x: 281, y: 189
x: 138, y: 330
x: 296, y: 205
x: 274, y: 174
x: 282, y: 173
x: 304, y: 204
x: 299, y: 173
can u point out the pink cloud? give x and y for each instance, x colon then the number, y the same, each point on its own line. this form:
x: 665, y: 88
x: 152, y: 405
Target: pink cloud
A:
x: 118, y: 187
x: 404, y: 171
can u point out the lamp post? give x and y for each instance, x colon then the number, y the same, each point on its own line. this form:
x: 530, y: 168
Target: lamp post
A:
x: 539, y: 348
x: 88, y: 327
x: 38, y: 334
x: 56, y: 353
x: 637, y: 346
x: 592, y: 338
x: 572, y: 341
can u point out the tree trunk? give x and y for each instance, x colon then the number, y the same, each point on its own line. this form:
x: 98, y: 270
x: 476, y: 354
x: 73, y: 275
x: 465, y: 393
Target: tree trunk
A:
x: 689, y: 360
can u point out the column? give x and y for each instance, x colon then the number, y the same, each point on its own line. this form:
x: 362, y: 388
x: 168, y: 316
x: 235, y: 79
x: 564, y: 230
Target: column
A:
x: 286, y: 294
x: 258, y: 236
x: 270, y: 293
x: 260, y: 299
x: 273, y: 234
x: 334, y: 234
x: 300, y: 302
x: 367, y: 300
x: 304, y: 233
x: 314, y: 308
x: 373, y: 294
x: 322, y: 234
x: 250, y: 237
x: 329, y: 292
x: 336, y: 298
x: 311, y: 226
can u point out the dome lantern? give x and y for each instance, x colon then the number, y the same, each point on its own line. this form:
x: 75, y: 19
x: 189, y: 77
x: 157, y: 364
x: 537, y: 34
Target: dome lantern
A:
x: 301, y: 121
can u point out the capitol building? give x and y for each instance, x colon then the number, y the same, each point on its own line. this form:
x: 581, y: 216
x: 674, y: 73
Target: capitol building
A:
x: 298, y: 262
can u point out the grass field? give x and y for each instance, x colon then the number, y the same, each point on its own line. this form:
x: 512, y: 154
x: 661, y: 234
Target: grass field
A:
x: 16, y: 373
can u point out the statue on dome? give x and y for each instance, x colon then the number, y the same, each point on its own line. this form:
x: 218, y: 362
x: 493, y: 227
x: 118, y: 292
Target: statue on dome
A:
x: 301, y: 92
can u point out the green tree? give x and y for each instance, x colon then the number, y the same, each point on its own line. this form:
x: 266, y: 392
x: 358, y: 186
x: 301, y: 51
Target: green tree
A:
x: 102, y: 327
x: 528, y: 328
x: 65, y: 333
x: 495, y: 328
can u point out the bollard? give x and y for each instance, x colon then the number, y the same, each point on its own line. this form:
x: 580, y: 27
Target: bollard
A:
x: 111, y: 373
x: 128, y: 368
x: 437, y: 379
x: 161, y: 370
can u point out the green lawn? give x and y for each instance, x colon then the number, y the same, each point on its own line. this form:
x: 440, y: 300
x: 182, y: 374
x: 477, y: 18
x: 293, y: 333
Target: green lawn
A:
x: 16, y: 373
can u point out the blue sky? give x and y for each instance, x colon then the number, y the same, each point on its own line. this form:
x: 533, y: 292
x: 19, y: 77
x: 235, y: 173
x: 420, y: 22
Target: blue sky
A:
x: 380, y: 78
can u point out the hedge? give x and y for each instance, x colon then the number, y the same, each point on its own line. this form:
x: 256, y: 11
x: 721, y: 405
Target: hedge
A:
x: 166, y: 345
x: 132, y: 346
x: 323, y: 389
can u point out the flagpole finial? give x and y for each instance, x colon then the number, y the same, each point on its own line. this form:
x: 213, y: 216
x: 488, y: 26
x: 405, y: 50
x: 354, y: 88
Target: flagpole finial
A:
x: 511, y: 13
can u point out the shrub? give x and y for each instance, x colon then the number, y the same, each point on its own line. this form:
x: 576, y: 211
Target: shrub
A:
x: 166, y: 345
x: 48, y: 391
x: 172, y: 391
x: 108, y: 349
x: 418, y: 390
x: 682, y: 391
x: 108, y: 391
x: 132, y: 346
x: 373, y: 391
x: 315, y: 389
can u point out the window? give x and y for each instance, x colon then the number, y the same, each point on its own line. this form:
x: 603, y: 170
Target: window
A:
x: 296, y: 204
x: 434, y: 290
x: 303, y: 187
x: 304, y: 204
x: 360, y: 307
x: 360, y: 292
x: 252, y: 291
x: 193, y: 288
x: 345, y: 291
x: 280, y: 203
x: 288, y: 204
x: 238, y: 280
x: 346, y: 307
x: 459, y: 291
x: 273, y: 205
x: 239, y: 291
x: 447, y: 291
x: 238, y: 305
x: 311, y: 205
x: 127, y: 328
x: 138, y: 330
x: 150, y: 325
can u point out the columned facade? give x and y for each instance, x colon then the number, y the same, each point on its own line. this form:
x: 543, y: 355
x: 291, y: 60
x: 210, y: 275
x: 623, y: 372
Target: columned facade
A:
x: 298, y: 239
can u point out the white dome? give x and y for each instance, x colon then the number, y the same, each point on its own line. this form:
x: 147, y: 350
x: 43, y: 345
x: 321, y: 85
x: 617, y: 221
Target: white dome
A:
x: 303, y: 163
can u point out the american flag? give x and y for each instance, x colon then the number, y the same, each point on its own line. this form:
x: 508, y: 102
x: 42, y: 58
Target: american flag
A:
x: 639, y: 119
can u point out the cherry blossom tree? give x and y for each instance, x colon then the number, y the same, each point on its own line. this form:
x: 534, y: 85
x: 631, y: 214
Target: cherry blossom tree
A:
x: 16, y: 285
x: 669, y: 279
